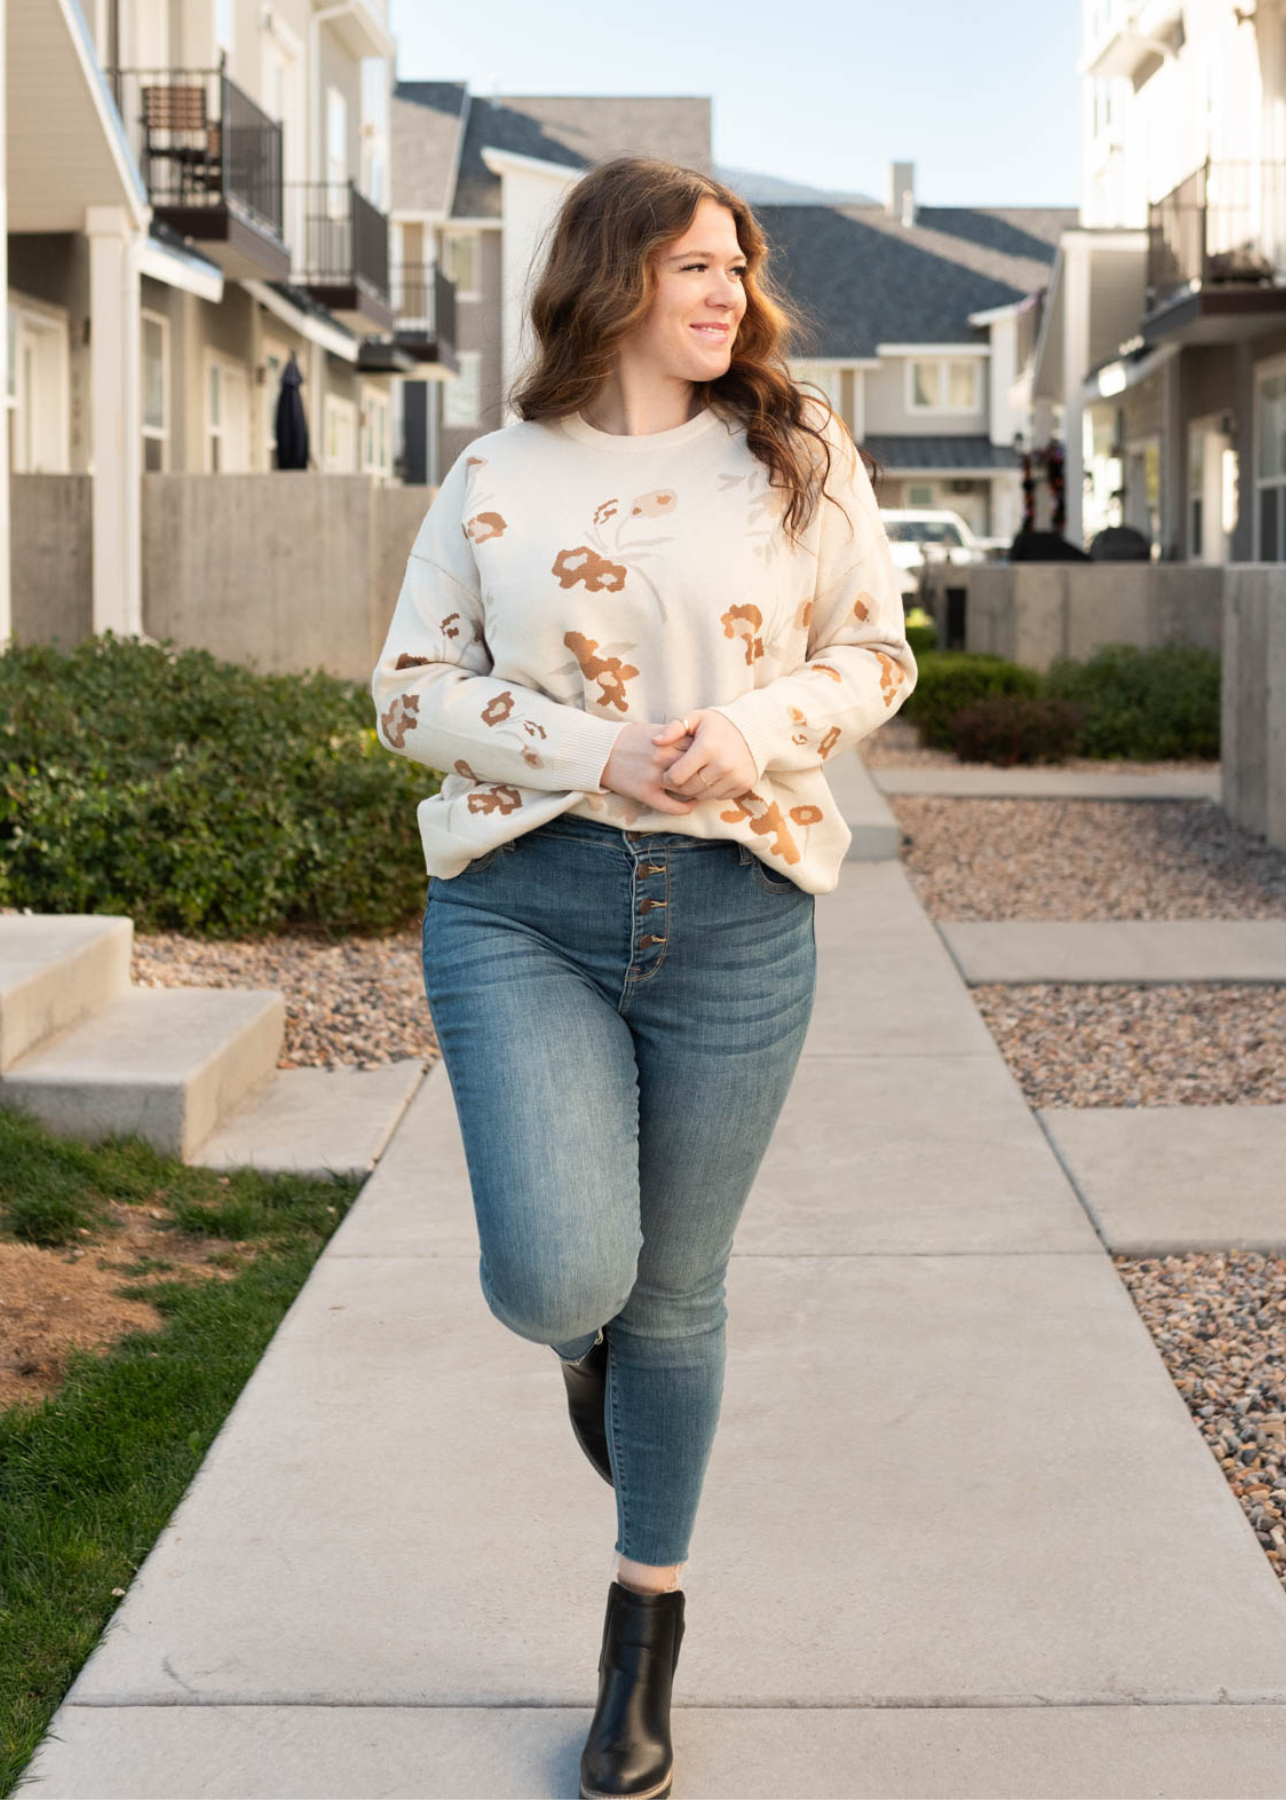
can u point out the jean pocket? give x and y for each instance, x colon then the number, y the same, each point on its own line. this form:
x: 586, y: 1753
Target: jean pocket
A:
x: 768, y: 881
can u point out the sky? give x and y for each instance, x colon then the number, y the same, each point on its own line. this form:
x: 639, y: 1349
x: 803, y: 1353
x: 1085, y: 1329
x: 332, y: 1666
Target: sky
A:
x: 984, y: 99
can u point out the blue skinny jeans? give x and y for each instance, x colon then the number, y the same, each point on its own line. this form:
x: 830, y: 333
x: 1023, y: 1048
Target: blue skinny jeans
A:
x: 620, y: 1015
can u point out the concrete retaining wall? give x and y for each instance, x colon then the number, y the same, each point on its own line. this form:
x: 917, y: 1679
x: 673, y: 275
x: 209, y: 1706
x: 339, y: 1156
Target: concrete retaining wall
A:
x: 279, y: 573
x: 51, y: 558
x: 1254, y: 699
x: 1033, y: 612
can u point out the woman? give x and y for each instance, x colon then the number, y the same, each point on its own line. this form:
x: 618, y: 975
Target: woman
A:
x: 635, y: 626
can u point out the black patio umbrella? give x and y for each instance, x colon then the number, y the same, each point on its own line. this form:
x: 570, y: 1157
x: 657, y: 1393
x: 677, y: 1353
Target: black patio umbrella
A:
x: 291, y: 423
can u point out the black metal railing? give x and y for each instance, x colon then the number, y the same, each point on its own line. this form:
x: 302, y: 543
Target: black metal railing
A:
x: 424, y: 299
x: 1226, y: 222
x: 337, y: 238
x: 201, y: 142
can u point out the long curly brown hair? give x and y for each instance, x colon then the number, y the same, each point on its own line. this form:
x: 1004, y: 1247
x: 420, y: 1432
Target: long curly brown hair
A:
x: 597, y: 282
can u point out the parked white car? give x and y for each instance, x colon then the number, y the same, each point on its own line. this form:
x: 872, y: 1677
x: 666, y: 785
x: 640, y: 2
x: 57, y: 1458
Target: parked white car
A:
x: 928, y: 536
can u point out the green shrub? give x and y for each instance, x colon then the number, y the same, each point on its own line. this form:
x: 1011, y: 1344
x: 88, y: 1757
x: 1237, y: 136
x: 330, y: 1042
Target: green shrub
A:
x: 921, y: 631
x: 1144, y: 704
x: 199, y: 796
x: 1018, y: 728
x: 949, y: 681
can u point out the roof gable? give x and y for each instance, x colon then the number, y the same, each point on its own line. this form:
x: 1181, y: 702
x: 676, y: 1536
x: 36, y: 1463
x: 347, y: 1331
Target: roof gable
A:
x: 862, y: 278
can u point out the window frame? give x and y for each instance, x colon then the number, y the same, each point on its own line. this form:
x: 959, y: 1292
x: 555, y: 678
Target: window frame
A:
x: 471, y: 360
x: 375, y: 399
x: 943, y: 365
x: 1271, y: 369
x: 451, y: 235
x: 151, y: 433
x: 338, y: 406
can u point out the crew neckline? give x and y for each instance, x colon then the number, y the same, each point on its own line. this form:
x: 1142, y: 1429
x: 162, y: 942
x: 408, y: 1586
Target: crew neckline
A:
x: 577, y: 426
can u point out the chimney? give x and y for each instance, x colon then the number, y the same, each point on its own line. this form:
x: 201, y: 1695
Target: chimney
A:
x: 902, y: 192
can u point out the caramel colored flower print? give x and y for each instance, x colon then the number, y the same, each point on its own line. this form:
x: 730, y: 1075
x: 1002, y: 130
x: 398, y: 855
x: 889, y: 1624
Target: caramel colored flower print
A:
x: 862, y: 607
x: 498, y: 709
x: 891, y: 677
x: 594, y: 570
x: 605, y: 512
x: 766, y: 819
x: 745, y: 622
x: 654, y: 505
x: 400, y: 718
x: 483, y: 526
x: 807, y: 815
x: 407, y: 661
x: 501, y: 797
x: 609, y: 672
x: 461, y: 767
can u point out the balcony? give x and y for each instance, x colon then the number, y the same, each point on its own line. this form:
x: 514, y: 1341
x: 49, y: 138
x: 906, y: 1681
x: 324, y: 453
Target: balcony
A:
x: 1216, y: 252
x: 339, y: 246
x: 1136, y: 32
x: 210, y: 158
x: 424, y: 299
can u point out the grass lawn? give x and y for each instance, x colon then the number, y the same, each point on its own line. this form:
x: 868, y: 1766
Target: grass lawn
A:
x: 139, y: 1294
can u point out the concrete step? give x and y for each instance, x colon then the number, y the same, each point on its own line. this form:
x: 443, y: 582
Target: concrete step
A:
x: 55, y: 970
x: 168, y: 1063
x: 975, y: 781
x: 1133, y: 950
x: 317, y: 1122
x: 1165, y: 1180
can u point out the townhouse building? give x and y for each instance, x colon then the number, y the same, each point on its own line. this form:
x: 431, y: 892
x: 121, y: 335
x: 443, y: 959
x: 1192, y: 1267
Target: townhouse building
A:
x: 923, y: 323
x: 1165, y: 333
x: 475, y: 179
x: 197, y: 193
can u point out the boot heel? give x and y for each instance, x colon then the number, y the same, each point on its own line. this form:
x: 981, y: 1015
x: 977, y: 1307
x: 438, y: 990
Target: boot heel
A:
x: 628, y: 1753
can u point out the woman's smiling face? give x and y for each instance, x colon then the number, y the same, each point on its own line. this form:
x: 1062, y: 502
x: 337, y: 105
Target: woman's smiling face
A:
x: 699, y: 300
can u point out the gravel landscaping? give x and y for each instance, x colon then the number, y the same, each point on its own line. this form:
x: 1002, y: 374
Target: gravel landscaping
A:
x: 1086, y: 859
x: 355, y: 1004
x: 1181, y: 1044
x: 1219, y: 1322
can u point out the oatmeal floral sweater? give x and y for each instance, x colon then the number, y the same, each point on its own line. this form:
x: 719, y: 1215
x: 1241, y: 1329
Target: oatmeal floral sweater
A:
x: 567, y: 582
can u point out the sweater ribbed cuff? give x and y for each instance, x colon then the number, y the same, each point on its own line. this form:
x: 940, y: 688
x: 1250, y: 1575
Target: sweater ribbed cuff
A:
x: 759, y: 716
x: 585, y: 744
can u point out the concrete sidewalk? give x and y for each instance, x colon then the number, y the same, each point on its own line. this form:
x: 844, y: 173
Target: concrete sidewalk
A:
x: 959, y: 1537
x: 980, y: 781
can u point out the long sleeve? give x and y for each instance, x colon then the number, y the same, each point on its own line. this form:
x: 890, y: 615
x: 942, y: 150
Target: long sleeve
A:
x: 436, y: 700
x: 859, y: 667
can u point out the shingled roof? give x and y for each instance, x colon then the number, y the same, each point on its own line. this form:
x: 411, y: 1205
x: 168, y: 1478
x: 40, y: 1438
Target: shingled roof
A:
x: 576, y: 130
x: 862, y: 278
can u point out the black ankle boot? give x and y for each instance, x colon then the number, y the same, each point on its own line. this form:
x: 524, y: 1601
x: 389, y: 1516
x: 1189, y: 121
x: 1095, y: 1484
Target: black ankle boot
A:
x: 628, y: 1751
x: 586, y: 1397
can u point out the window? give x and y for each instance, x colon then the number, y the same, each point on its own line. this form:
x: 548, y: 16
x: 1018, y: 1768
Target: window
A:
x: 921, y: 493
x: 460, y: 397
x: 227, y: 433
x: 336, y: 152
x: 461, y: 260
x: 340, y: 433
x: 38, y: 388
x: 374, y: 432
x: 1270, y: 467
x: 156, y: 391
x: 943, y: 384
x: 375, y: 130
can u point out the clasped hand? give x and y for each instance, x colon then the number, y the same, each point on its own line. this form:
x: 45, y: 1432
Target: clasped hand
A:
x: 670, y: 769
